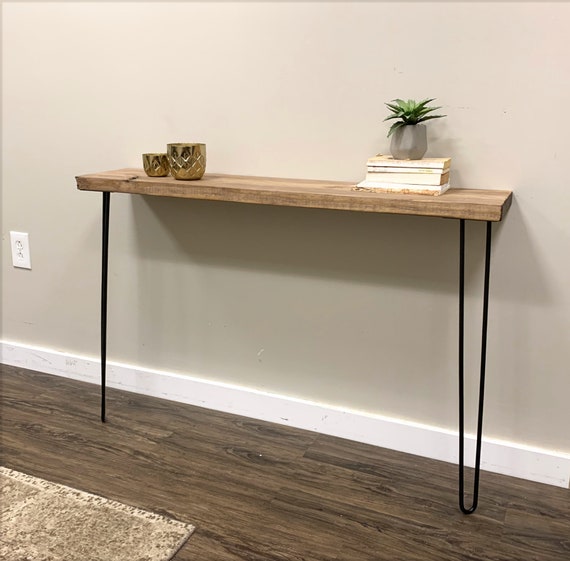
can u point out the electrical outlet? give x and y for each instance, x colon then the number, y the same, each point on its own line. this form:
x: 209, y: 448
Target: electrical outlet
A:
x: 20, y: 250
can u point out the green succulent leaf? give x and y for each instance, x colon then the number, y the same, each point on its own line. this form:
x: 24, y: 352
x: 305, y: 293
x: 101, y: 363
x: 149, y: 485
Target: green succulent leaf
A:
x: 423, y: 103
x: 433, y: 117
x: 394, y: 127
x: 394, y: 108
x: 410, y: 112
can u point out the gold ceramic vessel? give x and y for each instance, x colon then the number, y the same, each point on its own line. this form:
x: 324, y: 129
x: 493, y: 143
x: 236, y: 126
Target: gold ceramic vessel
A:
x: 187, y: 160
x: 156, y: 165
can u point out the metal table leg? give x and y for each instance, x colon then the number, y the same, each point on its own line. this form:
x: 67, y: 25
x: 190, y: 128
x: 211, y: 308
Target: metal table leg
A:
x: 462, y: 506
x: 104, y: 270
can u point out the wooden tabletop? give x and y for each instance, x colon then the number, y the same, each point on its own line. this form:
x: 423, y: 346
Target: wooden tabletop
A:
x: 469, y: 204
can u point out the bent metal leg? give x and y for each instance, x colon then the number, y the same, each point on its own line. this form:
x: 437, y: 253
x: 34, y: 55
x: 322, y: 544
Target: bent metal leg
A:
x: 104, y: 270
x: 473, y: 506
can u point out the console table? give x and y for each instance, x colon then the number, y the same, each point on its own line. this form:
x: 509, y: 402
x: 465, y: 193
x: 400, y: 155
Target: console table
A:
x: 460, y: 204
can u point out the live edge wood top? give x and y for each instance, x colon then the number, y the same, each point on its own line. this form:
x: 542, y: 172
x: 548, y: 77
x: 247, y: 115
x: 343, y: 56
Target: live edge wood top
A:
x: 469, y: 204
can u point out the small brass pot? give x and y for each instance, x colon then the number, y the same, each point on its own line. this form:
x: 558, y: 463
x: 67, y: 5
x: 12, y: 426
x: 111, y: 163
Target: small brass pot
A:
x: 156, y: 165
x: 187, y: 160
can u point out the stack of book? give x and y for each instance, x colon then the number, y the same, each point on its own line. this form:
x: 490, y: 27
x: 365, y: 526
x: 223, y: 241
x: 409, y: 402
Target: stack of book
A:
x: 428, y: 176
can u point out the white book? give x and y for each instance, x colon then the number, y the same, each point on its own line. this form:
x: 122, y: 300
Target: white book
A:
x: 378, y: 168
x: 403, y: 188
x: 385, y: 160
x: 408, y: 178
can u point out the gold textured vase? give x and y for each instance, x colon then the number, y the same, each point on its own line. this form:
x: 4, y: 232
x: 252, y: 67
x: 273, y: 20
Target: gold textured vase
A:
x: 187, y: 160
x: 156, y: 165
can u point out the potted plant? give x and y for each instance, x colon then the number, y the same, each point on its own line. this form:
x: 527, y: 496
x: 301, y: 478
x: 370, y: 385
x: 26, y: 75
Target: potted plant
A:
x: 409, y: 137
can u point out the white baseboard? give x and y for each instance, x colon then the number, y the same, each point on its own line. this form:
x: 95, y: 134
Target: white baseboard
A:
x: 508, y: 458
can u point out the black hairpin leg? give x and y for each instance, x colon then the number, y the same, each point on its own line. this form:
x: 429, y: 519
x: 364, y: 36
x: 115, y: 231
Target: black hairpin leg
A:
x: 104, y: 270
x: 461, y: 368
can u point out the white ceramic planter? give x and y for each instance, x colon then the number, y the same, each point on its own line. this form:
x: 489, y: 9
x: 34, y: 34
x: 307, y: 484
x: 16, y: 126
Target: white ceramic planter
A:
x: 409, y: 142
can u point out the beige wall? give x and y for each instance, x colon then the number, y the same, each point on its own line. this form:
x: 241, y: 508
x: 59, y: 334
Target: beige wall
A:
x: 352, y: 310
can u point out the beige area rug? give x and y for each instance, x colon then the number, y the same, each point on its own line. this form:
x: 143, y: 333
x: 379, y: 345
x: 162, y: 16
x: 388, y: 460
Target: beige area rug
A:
x: 44, y: 521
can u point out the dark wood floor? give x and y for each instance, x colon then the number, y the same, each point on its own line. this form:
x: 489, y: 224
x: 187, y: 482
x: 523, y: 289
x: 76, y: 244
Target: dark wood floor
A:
x: 258, y: 491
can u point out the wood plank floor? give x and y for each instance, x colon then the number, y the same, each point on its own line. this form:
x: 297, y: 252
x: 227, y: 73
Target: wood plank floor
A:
x: 262, y: 492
